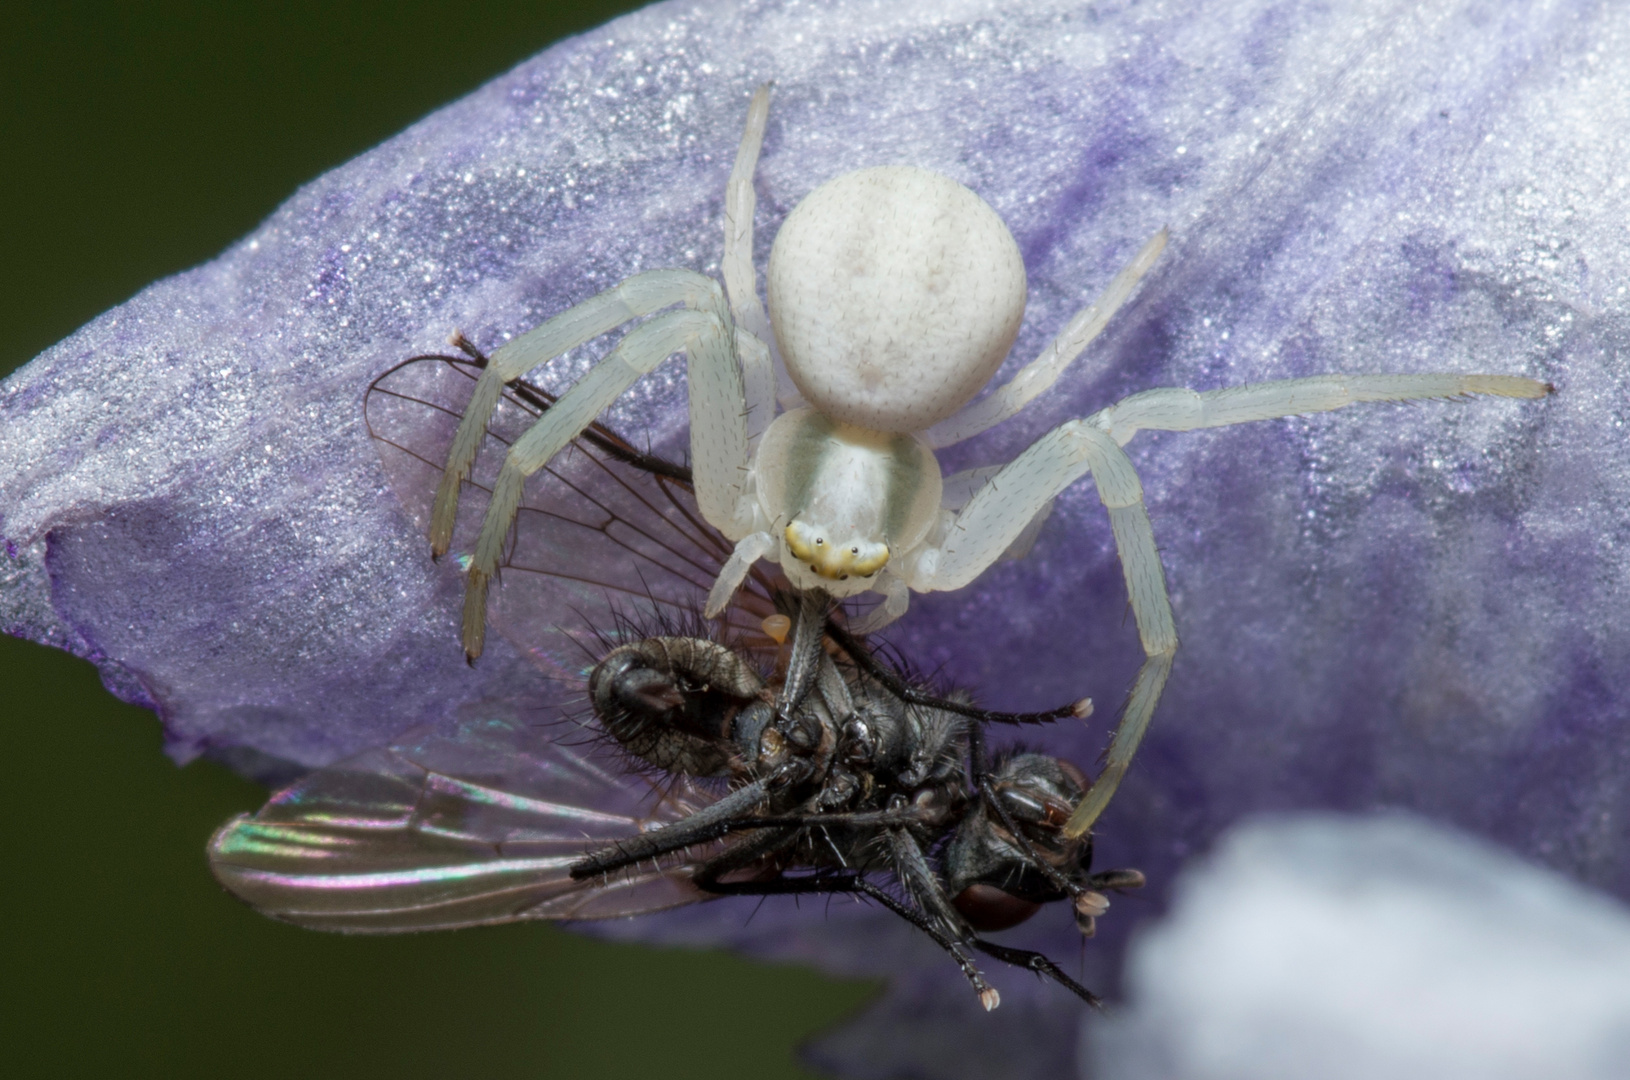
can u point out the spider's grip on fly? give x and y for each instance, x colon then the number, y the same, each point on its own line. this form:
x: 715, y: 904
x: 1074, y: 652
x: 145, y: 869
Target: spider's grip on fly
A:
x: 895, y: 294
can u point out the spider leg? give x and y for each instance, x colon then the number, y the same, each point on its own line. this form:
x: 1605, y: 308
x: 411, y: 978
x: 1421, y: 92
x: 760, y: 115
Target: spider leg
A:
x: 896, y: 599
x: 1000, y: 510
x: 762, y: 366
x: 995, y: 514
x: 1041, y: 373
x: 719, y: 449
x: 1177, y: 409
x: 740, y: 279
x: 959, y: 488
x: 637, y: 296
x: 748, y: 550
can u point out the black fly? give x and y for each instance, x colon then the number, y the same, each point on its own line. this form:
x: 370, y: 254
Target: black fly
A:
x: 834, y: 776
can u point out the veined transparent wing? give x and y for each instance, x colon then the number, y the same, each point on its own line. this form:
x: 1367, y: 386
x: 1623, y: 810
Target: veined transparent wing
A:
x: 482, y: 827
x: 432, y: 832
x: 605, y: 533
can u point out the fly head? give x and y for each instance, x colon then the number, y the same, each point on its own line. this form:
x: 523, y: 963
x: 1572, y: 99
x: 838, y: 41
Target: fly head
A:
x: 998, y: 879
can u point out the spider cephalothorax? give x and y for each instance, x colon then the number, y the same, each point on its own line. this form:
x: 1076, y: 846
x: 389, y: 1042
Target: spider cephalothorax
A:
x: 895, y: 294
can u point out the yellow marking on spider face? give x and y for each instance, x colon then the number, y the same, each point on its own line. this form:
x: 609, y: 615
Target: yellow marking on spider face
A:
x: 832, y: 560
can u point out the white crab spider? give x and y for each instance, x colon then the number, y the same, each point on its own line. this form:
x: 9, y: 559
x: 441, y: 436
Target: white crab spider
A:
x: 895, y: 294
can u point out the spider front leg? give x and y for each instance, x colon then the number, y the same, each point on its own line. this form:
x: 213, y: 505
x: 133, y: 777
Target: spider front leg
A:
x: 767, y: 378
x: 719, y: 436
x: 999, y: 512
x: 603, y: 312
x: 996, y: 514
x: 1174, y: 408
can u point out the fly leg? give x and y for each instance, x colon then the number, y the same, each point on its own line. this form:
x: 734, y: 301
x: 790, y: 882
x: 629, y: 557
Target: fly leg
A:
x: 865, y: 661
x: 915, y: 874
x: 924, y: 886
x: 706, y: 824
x: 1040, y: 964
x: 859, y: 886
x: 682, y: 834
x: 707, y: 879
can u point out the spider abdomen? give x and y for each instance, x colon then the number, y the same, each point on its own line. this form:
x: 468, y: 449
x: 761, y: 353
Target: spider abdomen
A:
x: 895, y: 294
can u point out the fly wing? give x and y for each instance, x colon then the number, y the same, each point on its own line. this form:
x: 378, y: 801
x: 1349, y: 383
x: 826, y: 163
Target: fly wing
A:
x: 434, y: 832
x: 606, y: 535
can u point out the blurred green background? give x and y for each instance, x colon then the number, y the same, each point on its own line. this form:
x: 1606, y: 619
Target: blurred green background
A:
x: 141, y: 139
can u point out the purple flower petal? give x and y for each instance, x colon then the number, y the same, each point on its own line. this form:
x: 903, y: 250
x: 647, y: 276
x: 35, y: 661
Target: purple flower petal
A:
x: 1417, y: 607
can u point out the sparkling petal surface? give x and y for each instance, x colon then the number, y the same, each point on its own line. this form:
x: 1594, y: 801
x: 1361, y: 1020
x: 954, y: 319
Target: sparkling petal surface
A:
x: 1414, y: 607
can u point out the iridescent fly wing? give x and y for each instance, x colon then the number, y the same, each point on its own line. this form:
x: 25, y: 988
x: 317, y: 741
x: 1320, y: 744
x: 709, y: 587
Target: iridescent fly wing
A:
x: 605, y: 534
x: 432, y: 832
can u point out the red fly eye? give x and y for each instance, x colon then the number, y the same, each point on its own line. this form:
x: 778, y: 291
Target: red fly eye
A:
x: 989, y: 909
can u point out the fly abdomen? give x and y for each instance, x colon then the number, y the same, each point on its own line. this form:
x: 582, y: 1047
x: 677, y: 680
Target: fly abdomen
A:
x: 682, y: 705
x: 989, y: 909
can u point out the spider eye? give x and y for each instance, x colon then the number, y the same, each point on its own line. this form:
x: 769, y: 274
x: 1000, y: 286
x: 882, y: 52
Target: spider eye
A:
x: 836, y: 561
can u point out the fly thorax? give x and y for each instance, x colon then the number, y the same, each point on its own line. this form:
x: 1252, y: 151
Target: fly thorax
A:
x: 844, y: 499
